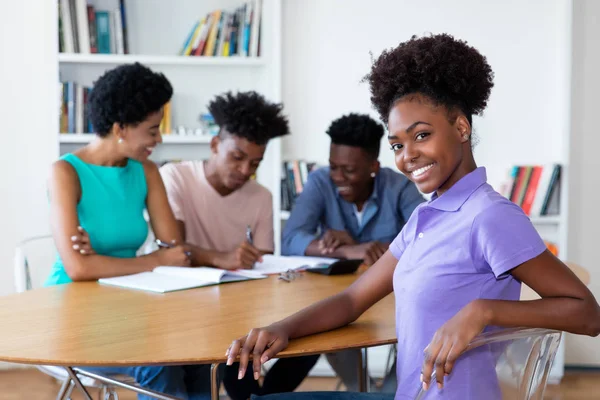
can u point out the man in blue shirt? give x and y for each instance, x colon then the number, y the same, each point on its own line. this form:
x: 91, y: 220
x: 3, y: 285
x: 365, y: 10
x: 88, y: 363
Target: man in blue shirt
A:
x: 352, y: 209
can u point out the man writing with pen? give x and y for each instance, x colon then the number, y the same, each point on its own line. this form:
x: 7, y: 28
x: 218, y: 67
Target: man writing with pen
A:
x: 226, y: 217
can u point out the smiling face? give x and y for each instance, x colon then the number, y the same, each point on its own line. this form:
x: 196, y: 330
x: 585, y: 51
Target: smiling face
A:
x: 140, y: 140
x: 350, y: 170
x: 431, y: 146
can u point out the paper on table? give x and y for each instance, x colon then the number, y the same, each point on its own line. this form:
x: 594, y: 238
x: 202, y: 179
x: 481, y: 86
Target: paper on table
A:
x: 168, y: 279
x: 275, y: 264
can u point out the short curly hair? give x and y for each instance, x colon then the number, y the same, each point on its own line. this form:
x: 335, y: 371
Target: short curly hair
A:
x: 249, y: 115
x: 357, y: 130
x: 127, y: 94
x: 445, y: 70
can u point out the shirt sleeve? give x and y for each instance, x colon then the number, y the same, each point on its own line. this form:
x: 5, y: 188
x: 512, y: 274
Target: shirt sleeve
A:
x: 409, y: 199
x: 301, y: 228
x: 503, y: 237
x: 263, y: 232
x: 398, y: 245
x: 168, y: 172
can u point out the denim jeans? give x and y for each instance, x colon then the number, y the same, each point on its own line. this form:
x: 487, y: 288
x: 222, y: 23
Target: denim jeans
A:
x: 326, y: 396
x: 188, y: 382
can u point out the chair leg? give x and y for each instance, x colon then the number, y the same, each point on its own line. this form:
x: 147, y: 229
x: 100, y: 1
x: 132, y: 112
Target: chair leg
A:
x: 69, y: 390
x: 78, y: 384
x: 63, y: 389
x: 214, y: 377
x: 363, y: 371
x: 112, y: 394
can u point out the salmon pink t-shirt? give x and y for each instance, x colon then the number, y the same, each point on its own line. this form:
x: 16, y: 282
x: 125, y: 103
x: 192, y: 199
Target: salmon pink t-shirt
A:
x: 216, y: 222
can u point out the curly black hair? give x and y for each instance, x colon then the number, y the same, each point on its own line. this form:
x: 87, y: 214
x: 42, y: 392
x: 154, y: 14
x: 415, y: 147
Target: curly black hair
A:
x: 249, y: 115
x: 357, y: 130
x: 127, y: 94
x: 445, y: 70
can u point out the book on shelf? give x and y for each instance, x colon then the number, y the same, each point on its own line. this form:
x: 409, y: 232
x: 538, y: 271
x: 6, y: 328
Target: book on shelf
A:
x: 226, y: 33
x: 165, y: 126
x: 294, y: 175
x: 169, y: 279
x: 87, y: 30
x: 535, y: 188
x: 74, y: 116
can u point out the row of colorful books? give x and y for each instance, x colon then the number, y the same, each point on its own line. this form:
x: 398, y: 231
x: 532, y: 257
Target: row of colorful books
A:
x: 535, y: 188
x: 84, y: 29
x: 224, y: 33
x: 294, y: 175
x: 74, y: 108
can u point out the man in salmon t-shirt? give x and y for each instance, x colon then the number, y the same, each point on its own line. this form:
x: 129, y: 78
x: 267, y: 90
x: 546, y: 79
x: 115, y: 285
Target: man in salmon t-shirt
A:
x: 227, y: 218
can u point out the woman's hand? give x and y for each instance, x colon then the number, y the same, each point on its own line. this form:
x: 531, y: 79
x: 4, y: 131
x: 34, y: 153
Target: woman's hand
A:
x: 81, y: 242
x: 263, y: 343
x: 450, y: 341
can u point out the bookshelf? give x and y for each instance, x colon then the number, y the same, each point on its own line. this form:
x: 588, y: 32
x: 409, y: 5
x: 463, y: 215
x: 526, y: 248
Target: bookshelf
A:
x: 156, y: 31
x: 554, y: 229
x: 152, y: 60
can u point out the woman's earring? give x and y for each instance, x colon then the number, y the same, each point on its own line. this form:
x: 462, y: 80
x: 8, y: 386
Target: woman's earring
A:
x: 373, y: 174
x: 120, y: 140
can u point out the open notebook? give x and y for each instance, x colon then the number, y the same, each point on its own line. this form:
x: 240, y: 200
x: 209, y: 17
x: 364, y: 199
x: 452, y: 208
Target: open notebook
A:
x: 276, y: 264
x: 169, y: 279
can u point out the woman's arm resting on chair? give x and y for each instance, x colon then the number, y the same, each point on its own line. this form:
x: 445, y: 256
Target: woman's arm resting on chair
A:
x: 64, y: 193
x: 566, y: 304
x: 328, y: 314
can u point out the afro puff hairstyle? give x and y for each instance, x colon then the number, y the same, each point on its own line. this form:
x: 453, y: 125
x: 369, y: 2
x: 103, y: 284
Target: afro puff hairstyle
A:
x: 445, y: 70
x: 250, y: 116
x: 127, y: 94
x: 357, y: 130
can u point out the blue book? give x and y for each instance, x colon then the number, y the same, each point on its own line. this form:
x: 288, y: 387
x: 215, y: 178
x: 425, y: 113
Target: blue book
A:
x: 103, y: 31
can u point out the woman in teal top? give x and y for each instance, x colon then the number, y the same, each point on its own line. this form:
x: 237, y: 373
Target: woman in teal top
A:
x: 99, y: 193
x: 110, y: 208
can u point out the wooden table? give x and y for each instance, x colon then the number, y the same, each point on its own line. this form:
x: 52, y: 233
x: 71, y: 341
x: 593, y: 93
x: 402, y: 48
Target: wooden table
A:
x: 88, y: 324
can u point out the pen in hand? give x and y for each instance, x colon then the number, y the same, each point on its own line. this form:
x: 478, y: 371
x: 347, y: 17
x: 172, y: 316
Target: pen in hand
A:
x: 249, y: 234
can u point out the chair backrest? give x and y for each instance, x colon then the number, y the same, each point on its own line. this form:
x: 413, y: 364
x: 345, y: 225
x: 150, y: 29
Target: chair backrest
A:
x: 523, y: 362
x: 33, y: 260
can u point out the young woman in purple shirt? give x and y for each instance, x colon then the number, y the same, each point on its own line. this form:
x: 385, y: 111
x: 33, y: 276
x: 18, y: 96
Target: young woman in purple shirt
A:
x: 457, y: 265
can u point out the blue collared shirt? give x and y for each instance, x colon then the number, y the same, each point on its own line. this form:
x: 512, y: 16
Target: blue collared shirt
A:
x: 320, y: 207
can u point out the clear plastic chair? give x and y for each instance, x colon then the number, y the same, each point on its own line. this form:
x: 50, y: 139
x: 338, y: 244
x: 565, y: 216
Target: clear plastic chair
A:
x: 524, y: 359
x: 523, y: 363
x: 33, y: 258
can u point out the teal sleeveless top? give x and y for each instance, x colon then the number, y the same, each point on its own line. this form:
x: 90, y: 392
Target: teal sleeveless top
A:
x: 111, y: 210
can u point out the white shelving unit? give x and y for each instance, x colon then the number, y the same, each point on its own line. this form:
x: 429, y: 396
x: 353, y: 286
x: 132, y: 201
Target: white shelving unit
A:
x: 195, y: 80
x: 116, y: 59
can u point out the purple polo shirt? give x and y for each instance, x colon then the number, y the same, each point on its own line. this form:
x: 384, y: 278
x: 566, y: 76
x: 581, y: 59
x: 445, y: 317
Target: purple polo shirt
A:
x: 454, y: 249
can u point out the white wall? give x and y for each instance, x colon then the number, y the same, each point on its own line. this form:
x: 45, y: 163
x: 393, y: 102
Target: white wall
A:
x: 326, y: 48
x: 29, y: 80
x: 583, y: 201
